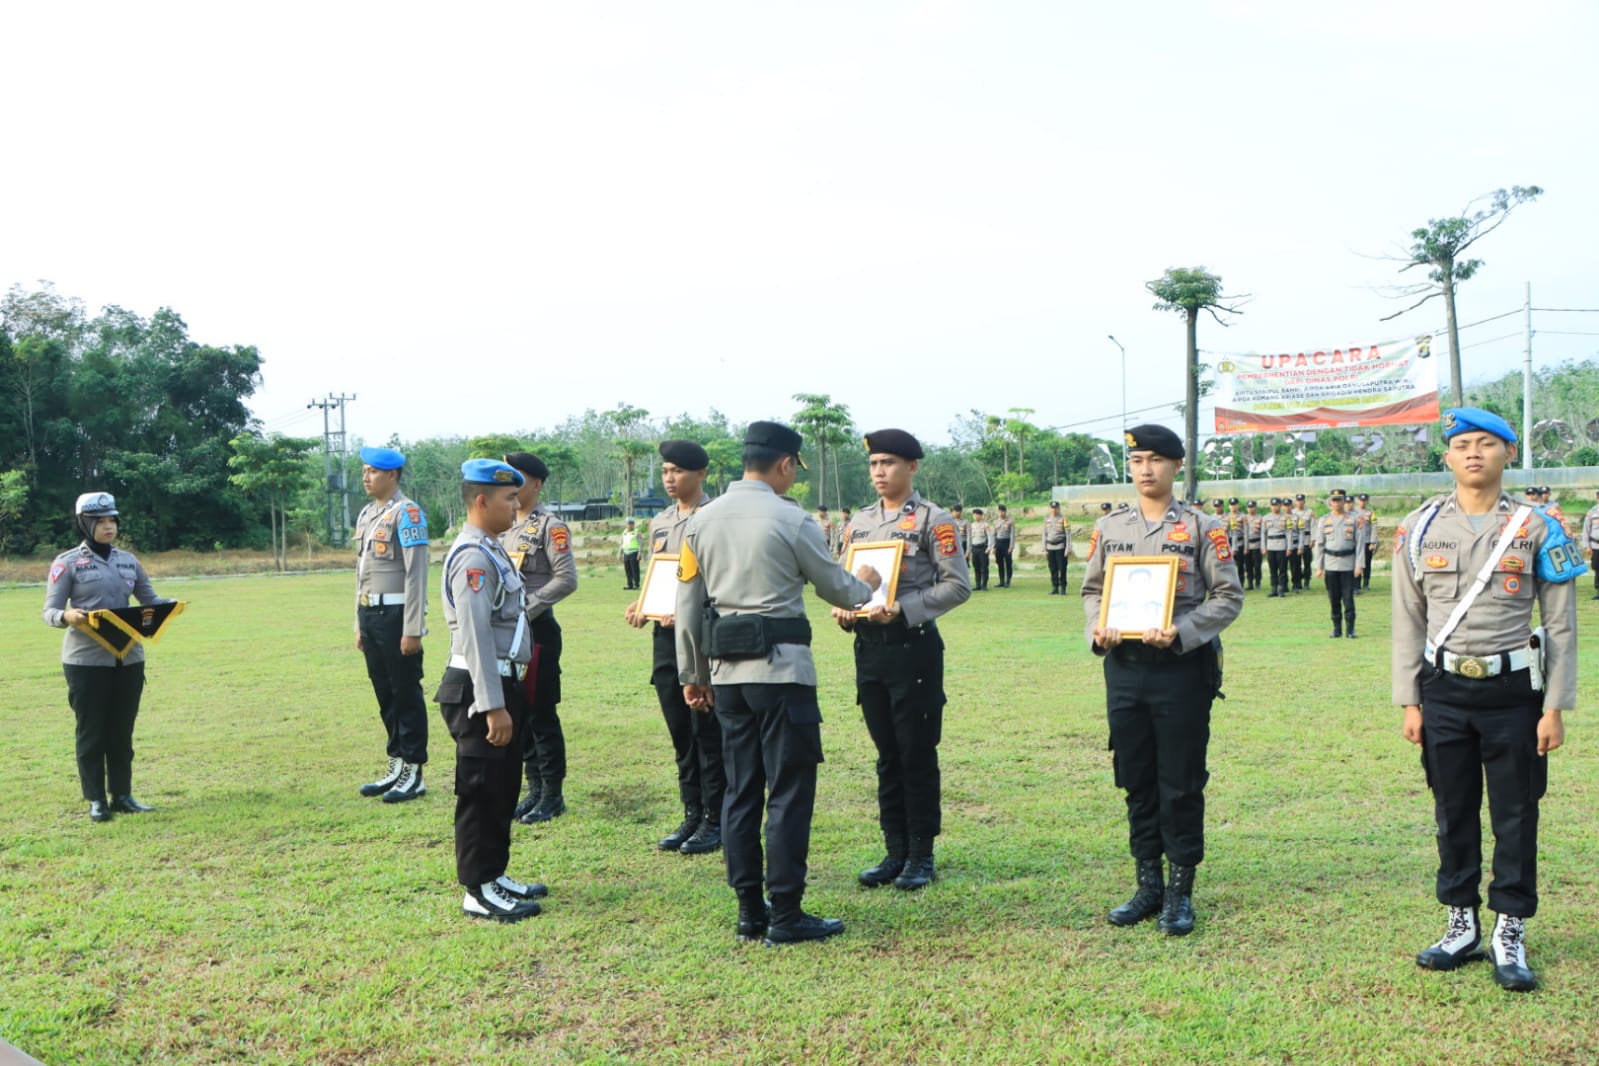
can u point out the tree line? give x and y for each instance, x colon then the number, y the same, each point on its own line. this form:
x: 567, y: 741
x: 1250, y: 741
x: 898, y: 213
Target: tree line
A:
x: 134, y: 406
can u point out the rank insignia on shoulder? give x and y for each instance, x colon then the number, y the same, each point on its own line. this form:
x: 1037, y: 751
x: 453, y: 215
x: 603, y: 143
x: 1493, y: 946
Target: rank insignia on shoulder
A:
x: 1218, y: 540
x: 1512, y: 563
x: 907, y: 523
x: 474, y: 579
x: 1179, y: 535
x: 944, y: 533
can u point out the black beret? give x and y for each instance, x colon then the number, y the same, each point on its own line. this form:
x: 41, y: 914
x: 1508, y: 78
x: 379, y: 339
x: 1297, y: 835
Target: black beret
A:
x: 1544, y: 489
x: 1299, y: 495
x: 529, y: 464
x: 1054, y: 503
x: 1104, y: 507
x: 956, y: 507
x: 1233, y: 501
x: 1002, y: 508
x: 977, y: 510
x: 776, y: 436
x: 1157, y: 439
x: 894, y: 442
x: 1532, y: 490
x: 1252, y: 503
x: 1217, y: 502
x: 684, y: 454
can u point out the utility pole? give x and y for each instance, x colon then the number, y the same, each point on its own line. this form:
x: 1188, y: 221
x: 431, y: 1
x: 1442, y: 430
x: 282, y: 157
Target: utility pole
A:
x: 1526, y: 389
x: 1123, y: 434
x: 335, y: 482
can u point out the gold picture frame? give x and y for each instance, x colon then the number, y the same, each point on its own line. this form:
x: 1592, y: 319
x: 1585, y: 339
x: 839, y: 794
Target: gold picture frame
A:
x: 657, y: 598
x: 1139, y: 594
x: 880, y: 555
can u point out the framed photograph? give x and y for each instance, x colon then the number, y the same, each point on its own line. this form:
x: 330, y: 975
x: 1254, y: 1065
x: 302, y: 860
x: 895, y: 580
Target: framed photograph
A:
x: 885, y: 557
x: 1139, y: 593
x: 658, y: 599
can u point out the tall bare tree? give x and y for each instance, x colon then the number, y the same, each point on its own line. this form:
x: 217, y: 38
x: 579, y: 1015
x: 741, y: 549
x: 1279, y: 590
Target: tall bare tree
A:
x: 1188, y: 291
x: 1439, y: 245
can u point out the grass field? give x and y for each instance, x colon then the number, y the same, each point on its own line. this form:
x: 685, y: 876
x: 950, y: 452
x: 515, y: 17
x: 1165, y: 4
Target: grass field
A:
x: 266, y: 913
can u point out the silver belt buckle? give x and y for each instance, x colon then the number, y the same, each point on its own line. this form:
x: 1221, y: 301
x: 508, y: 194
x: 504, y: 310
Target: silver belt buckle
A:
x: 1472, y: 667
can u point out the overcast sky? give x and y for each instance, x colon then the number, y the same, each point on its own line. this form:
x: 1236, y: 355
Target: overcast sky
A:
x: 487, y: 217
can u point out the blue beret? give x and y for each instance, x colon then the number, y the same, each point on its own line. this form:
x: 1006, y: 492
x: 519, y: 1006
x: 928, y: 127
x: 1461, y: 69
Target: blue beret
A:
x: 1459, y: 420
x: 490, y: 472
x: 382, y: 458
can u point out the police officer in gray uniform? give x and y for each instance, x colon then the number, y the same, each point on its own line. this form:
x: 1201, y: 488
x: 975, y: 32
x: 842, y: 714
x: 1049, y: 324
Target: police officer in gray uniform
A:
x: 1340, y: 544
x: 741, y: 626
x: 103, y: 691
x: 1274, y: 534
x: 1301, y: 542
x: 1004, y: 545
x: 1482, y: 692
x: 980, y: 535
x: 1159, y: 684
x: 391, y: 581
x: 481, y: 696
x: 1057, y: 548
x: 1368, y: 518
x: 542, y: 544
x: 899, y: 658
x: 696, y: 736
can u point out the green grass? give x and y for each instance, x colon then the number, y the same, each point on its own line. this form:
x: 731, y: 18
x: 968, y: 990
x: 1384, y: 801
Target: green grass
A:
x: 266, y: 913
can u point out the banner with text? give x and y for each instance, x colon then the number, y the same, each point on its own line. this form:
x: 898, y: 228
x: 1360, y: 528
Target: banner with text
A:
x: 1389, y: 384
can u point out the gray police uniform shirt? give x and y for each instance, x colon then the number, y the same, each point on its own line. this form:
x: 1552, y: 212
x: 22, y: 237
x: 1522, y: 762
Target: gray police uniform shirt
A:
x: 666, y: 528
x: 1274, y: 531
x: 1446, y: 564
x: 1304, y: 528
x: 1235, y: 530
x: 933, y: 578
x: 750, y: 551
x: 1368, y: 522
x: 483, y: 605
x: 1339, y: 542
x: 1005, y: 529
x: 549, y: 569
x: 391, y: 545
x: 980, y: 534
x: 1057, y: 534
x: 1209, y: 593
x: 1590, y: 529
x: 79, y: 578
x: 1253, y: 524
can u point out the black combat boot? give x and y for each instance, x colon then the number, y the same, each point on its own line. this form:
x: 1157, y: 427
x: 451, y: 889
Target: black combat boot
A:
x: 1177, y: 912
x: 707, y: 837
x: 1146, y: 901
x: 551, y: 805
x: 674, y: 840
x: 918, y: 871
x: 753, y: 914
x: 535, y: 789
x: 893, y: 862
x: 791, y: 925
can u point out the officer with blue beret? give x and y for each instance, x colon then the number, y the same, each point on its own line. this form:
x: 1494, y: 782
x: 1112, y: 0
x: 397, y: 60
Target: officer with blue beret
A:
x: 391, y: 573
x: 481, y: 696
x: 1482, y: 691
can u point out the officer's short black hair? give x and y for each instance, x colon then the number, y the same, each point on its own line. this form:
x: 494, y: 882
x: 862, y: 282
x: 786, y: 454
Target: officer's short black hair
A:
x: 759, y: 459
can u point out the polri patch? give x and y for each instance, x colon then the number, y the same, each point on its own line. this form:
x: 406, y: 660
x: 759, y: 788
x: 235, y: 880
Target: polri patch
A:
x: 1218, y: 540
x: 944, y: 533
x: 560, y: 540
x: 908, y: 523
x: 1436, y: 562
x: 474, y: 579
x: 56, y: 570
x: 1180, y: 535
x: 1512, y: 585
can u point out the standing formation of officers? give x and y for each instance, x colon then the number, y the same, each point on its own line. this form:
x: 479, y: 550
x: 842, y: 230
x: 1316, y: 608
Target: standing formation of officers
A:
x: 1482, y: 692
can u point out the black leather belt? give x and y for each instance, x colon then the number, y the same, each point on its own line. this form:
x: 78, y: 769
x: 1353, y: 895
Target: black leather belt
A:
x: 1337, y: 555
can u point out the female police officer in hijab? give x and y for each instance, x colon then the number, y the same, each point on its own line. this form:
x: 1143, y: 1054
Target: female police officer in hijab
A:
x: 103, y: 690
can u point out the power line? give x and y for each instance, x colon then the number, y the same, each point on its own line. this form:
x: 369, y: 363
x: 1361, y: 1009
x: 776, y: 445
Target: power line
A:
x: 1571, y: 310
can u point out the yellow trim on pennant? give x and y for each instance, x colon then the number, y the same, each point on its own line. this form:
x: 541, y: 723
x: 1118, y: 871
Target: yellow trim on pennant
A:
x: 688, y: 567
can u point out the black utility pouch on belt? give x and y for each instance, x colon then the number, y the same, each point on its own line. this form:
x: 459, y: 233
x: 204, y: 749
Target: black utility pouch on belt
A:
x: 751, y: 636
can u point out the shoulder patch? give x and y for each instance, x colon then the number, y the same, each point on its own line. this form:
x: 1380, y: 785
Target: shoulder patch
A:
x: 1093, y: 540
x: 474, y: 578
x: 1218, y: 540
x: 559, y: 539
x: 56, y: 570
x: 1399, y: 541
x: 412, y: 527
x: 944, y: 533
x: 688, y: 567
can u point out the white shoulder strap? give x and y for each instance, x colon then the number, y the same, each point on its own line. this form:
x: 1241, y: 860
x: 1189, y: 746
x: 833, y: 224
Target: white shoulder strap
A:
x: 1511, y: 529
